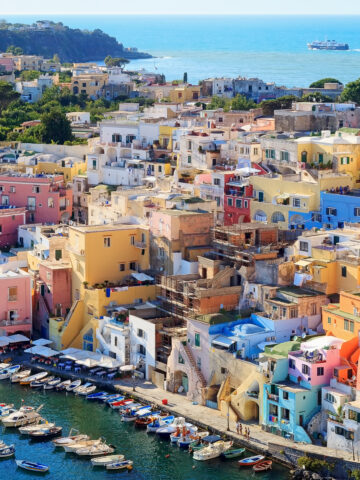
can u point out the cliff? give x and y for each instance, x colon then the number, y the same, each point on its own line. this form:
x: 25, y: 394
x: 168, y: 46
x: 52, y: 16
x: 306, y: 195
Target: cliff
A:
x: 72, y: 45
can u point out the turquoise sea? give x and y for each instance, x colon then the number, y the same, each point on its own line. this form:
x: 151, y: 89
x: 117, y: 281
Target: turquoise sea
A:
x: 147, y: 451
x: 270, y: 47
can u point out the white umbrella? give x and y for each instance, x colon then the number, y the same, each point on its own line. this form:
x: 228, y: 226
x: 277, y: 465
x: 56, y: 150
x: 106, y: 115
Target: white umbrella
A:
x: 87, y: 362
x: 42, y: 351
x: 4, y: 341
x: 127, y: 368
x: 41, y: 342
x: 17, y: 338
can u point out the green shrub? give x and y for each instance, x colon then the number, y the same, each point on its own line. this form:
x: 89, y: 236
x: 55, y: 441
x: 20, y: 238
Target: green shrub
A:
x: 314, y: 464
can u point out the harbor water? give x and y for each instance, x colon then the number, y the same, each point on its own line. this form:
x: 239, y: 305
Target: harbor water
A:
x: 154, y: 458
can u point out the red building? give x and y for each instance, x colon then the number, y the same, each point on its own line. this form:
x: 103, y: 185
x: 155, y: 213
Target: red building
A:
x: 45, y: 197
x: 10, y: 218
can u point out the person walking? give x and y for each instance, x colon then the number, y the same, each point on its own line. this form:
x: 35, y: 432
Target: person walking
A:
x: 241, y: 429
x: 237, y: 427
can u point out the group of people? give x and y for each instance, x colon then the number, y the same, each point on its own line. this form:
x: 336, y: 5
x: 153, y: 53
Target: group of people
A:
x: 241, y: 431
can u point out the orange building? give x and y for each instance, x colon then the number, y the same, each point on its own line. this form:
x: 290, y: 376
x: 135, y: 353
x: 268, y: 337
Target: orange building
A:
x: 343, y: 319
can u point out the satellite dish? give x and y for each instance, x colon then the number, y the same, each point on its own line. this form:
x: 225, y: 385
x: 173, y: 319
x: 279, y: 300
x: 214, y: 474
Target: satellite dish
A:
x: 303, y: 335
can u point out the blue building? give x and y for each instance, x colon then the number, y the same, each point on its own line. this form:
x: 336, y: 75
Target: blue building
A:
x: 337, y: 208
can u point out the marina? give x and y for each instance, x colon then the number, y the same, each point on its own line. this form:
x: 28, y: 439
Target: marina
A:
x: 149, y: 456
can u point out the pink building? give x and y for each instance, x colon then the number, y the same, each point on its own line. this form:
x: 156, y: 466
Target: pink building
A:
x: 53, y: 293
x: 45, y: 197
x: 313, y: 365
x: 7, y: 64
x: 10, y: 219
x: 15, y: 302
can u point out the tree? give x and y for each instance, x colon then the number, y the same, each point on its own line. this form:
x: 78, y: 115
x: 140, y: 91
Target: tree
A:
x: 14, y: 50
x: 55, y: 127
x: 281, y: 103
x: 56, y: 58
x: 7, y: 95
x: 29, y: 75
x: 316, y: 97
x: 321, y: 83
x: 218, y: 102
x: 242, y: 103
x: 352, y: 92
x: 185, y: 78
x: 115, y: 61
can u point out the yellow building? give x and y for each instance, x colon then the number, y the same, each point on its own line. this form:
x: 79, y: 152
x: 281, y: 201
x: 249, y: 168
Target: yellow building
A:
x: 291, y: 200
x: 70, y: 167
x: 166, y: 136
x: 89, y: 84
x: 106, y: 264
x: 185, y: 93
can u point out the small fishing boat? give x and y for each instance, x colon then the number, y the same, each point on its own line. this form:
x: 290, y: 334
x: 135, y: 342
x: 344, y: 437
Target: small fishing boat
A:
x: 24, y: 416
x: 86, y: 390
x: 130, y: 415
x: 40, y: 383
x: 185, y: 430
x: 250, y: 461
x: 17, y: 377
x: 95, y: 450
x: 9, y: 371
x: 103, y: 461
x: 71, y: 439
x: 63, y: 385
x: 159, y: 422
x: 80, y: 388
x: 126, y: 464
x: 50, y: 385
x: 33, y: 378
x: 7, y: 451
x: 6, y: 410
x: 32, y: 466
x: 40, y: 423
x: 72, y: 447
x: 73, y: 385
x: 213, y: 450
x: 45, y: 433
x: 185, y: 441
x: 233, y: 453
x: 167, y: 430
x: 113, y: 398
x: 144, y: 421
x: 96, y: 396
x: 263, y: 466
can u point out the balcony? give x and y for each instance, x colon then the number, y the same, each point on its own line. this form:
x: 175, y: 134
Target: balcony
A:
x: 141, y: 245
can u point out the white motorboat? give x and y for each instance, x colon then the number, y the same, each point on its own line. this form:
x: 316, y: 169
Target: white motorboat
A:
x: 73, y: 385
x: 5, y: 410
x: 159, y: 422
x: 95, y: 450
x: 33, y: 378
x: 103, y: 461
x: 9, y: 371
x: 85, y: 389
x: 20, y: 376
x: 128, y: 464
x: 70, y: 440
x: 213, y: 450
x: 72, y: 447
x: 167, y: 430
x: 40, y: 424
x: 50, y: 385
x: 7, y: 451
x: 40, y: 383
x: 24, y: 416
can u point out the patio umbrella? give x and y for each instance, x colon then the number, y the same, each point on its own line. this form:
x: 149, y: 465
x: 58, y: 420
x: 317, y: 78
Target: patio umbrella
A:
x: 41, y: 342
x: 17, y: 338
x: 4, y: 341
x: 127, y: 368
x: 88, y: 362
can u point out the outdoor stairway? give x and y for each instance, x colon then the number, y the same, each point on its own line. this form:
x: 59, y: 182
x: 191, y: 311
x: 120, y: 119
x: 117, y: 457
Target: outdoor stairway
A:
x: 195, y: 367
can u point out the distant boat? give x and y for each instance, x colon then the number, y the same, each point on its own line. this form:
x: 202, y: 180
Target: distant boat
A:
x: 103, y: 461
x: 250, y: 461
x: 45, y: 433
x: 70, y: 439
x: 120, y: 465
x: 51, y: 384
x: 9, y: 371
x: 20, y: 376
x: 75, y: 384
x: 7, y: 451
x: 96, y: 396
x: 328, y: 45
x: 233, y: 453
x: 32, y: 466
x: 33, y: 378
x: 62, y: 386
x: 263, y: 466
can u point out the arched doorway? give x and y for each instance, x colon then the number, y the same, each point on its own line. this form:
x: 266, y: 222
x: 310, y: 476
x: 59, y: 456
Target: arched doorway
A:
x: 251, y: 411
x: 260, y: 216
x: 277, y: 217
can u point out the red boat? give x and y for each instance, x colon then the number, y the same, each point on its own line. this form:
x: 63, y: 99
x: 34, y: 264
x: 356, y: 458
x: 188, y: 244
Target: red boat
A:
x: 263, y: 466
x: 250, y: 461
x: 143, y: 421
x: 120, y: 403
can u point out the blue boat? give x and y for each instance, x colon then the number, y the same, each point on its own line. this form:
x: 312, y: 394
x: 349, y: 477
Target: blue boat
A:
x: 32, y: 466
x: 112, y: 398
x: 159, y: 422
x: 8, y: 371
x: 96, y: 396
x: 7, y: 451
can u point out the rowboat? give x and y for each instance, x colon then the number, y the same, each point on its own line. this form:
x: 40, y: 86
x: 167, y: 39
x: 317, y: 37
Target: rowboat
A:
x: 263, y: 466
x: 185, y: 441
x: 83, y: 443
x: 45, y: 433
x: 73, y: 385
x: 120, y: 465
x: 113, y: 398
x: 95, y: 450
x: 213, y: 450
x: 20, y: 376
x: 62, y: 386
x: 233, y: 453
x: 70, y: 440
x: 33, y: 378
x: 32, y: 466
x: 40, y: 383
x: 7, y: 451
x: 81, y: 388
x: 250, y: 461
x: 50, y: 385
x: 9, y: 371
x: 103, y: 461
x: 86, y: 390
x: 95, y: 396
x: 41, y: 423
x: 159, y: 422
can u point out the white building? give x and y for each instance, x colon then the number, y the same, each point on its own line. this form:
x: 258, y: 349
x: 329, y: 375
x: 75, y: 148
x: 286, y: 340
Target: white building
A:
x: 114, y: 339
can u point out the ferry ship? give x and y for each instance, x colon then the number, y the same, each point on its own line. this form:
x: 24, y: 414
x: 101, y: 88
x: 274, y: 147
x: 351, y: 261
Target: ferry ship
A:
x: 328, y: 45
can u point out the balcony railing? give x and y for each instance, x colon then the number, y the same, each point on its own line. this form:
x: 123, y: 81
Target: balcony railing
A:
x: 9, y: 323
x: 141, y: 245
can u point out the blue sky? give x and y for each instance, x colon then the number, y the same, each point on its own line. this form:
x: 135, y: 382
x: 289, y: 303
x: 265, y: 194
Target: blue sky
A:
x: 106, y: 7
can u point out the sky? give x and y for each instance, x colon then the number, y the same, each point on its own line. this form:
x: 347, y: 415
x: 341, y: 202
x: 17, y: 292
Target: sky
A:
x: 231, y: 7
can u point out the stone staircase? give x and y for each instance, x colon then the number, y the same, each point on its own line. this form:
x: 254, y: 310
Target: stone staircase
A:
x: 194, y: 366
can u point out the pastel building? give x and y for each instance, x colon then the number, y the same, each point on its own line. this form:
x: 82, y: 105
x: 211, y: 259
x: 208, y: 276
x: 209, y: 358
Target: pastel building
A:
x: 11, y: 218
x: 45, y: 197
x: 343, y: 319
x: 339, y: 207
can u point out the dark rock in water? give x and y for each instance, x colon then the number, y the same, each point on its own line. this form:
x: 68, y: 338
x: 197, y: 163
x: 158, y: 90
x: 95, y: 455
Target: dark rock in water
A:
x: 301, y: 474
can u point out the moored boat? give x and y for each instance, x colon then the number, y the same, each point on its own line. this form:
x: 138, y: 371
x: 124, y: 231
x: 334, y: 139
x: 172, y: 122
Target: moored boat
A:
x: 250, y: 461
x: 33, y: 378
x: 263, y: 466
x: 95, y: 450
x: 73, y: 385
x: 95, y: 396
x: 126, y: 464
x: 50, y: 385
x: 9, y: 371
x: 70, y: 440
x: 115, y: 397
x: 159, y: 422
x: 40, y: 423
x: 40, y: 383
x: 63, y: 385
x: 82, y: 444
x: 213, y: 450
x: 86, y: 390
x: 167, y: 430
x: 24, y: 416
x: 32, y: 466
x: 233, y: 453
x: 17, y: 377
x: 45, y: 433
x: 7, y: 451
x: 103, y: 461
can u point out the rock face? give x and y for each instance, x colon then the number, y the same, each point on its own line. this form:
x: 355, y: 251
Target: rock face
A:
x: 301, y: 474
x: 71, y: 45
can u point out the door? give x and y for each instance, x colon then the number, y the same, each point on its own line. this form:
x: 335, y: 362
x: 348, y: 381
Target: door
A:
x: 301, y: 420
x: 261, y: 196
x: 185, y: 382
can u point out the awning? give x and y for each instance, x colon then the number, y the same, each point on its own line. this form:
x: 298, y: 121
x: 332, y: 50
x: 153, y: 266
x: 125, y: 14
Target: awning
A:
x: 4, y: 341
x: 283, y: 196
x: 142, y: 277
x: 69, y: 351
x: 303, y: 263
x: 17, y: 338
x: 222, y: 341
x: 127, y: 368
x: 41, y: 342
x: 262, y: 345
x: 42, y: 351
x: 88, y: 362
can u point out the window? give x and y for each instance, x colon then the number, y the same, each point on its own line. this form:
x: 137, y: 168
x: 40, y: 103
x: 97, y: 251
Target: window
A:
x: 94, y: 164
x: 217, y: 201
x: 296, y: 202
x: 285, y: 395
x: 132, y: 239
x: 132, y: 265
x: 0, y: 228
x: 291, y: 364
x: 58, y: 254
x: 115, y: 341
x: 180, y: 359
x: 256, y: 151
x: 90, y: 310
x: 12, y: 294
x: 223, y: 370
x: 12, y: 189
x: 357, y: 212
x: 316, y: 217
x: 329, y: 319
x: 284, y: 156
x: 197, y: 339
x: 50, y: 202
x: 354, y: 415
x: 230, y: 202
x: 5, y: 200
x: 344, y: 433
x: 304, y: 246
x: 122, y: 267
x: 269, y: 153
x: 246, y: 203
x: 161, y: 252
x: 349, y: 325
x: 216, y: 181
x: 305, y: 369
x: 331, y: 211
x: 140, y: 333
x: 330, y: 398
x: 107, y: 242
x: 313, y: 309
x: 320, y: 371
x: 36, y: 189
x: 321, y: 157
x: 343, y: 271
x: 189, y: 159
x: 142, y: 350
x: 238, y: 203
x: 31, y: 203
x: 285, y: 414
x: 344, y: 160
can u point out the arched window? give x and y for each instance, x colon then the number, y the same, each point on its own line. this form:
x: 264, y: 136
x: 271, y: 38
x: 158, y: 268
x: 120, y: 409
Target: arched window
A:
x: 277, y: 217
